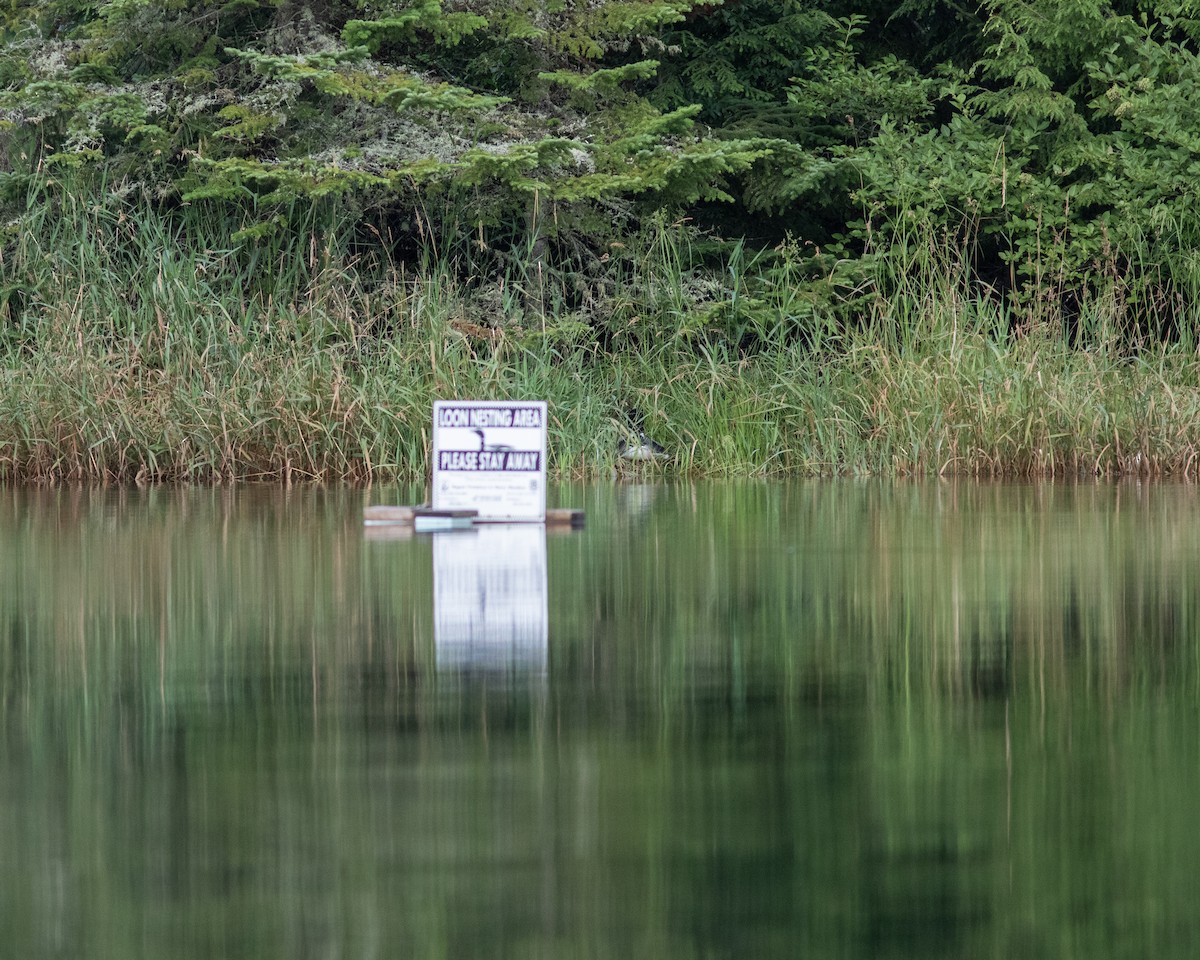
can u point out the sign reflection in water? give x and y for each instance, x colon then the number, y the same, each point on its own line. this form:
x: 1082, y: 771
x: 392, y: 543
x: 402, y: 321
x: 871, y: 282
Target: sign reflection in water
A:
x: 489, y: 599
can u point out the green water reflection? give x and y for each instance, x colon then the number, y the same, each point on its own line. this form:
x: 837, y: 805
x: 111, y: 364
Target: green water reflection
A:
x: 829, y: 720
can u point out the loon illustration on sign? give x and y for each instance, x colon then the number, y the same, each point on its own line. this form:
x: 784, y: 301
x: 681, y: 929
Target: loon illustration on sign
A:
x: 490, y: 456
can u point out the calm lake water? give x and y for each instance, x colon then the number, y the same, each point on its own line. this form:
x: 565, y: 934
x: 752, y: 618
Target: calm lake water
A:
x: 847, y: 720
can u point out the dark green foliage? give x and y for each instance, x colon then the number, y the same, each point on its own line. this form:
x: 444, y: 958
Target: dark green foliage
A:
x: 737, y: 59
x: 323, y: 94
x: 1067, y: 163
x: 448, y: 120
x: 1051, y: 142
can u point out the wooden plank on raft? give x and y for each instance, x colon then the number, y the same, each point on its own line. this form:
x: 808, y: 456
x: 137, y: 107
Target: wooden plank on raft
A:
x: 383, y: 514
x: 565, y: 516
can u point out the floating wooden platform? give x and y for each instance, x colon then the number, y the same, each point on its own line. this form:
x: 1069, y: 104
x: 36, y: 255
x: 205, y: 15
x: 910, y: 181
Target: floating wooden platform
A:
x: 384, y: 514
x: 422, y: 517
x: 565, y: 517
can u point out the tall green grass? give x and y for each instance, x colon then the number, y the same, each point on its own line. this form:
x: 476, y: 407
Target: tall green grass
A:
x: 137, y: 345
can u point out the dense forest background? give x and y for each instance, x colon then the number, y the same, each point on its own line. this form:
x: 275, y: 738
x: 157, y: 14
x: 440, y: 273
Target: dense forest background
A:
x: 1048, y: 146
x: 742, y: 176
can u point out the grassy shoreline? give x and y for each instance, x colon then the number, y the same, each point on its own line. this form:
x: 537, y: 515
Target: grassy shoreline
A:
x: 140, y: 349
x: 1034, y: 410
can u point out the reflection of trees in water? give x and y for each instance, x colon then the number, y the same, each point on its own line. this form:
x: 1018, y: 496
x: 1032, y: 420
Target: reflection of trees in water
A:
x: 852, y: 720
x: 962, y: 586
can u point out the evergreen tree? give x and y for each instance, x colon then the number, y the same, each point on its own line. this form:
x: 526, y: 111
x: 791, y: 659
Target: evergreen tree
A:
x: 262, y: 103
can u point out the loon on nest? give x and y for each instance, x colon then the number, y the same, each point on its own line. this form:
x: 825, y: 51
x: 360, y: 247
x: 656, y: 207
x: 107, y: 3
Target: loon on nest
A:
x: 642, y: 448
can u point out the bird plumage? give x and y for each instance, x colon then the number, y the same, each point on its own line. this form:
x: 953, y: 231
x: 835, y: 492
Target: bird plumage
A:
x: 641, y: 448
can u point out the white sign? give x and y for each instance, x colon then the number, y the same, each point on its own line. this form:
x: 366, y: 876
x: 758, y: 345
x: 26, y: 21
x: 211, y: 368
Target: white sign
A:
x: 489, y: 599
x: 490, y: 456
